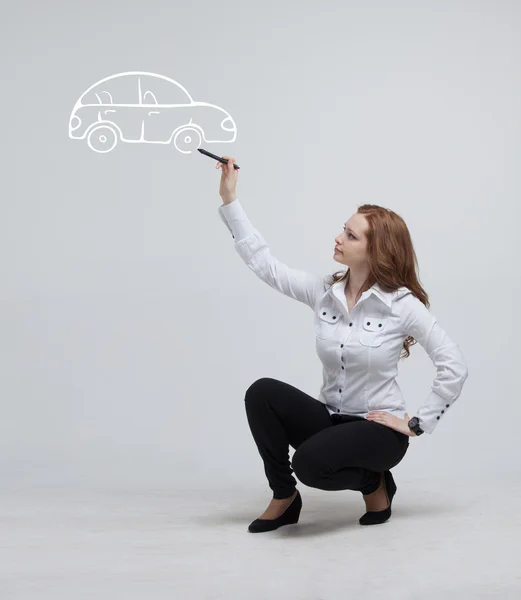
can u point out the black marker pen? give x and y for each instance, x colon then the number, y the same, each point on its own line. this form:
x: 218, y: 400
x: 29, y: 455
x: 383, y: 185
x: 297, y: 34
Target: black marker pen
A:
x: 219, y: 158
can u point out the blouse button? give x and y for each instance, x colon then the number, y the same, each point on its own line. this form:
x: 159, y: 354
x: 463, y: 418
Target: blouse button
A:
x: 342, y: 367
x: 369, y: 322
x: 446, y: 406
x: 341, y: 345
x: 323, y: 313
x: 442, y: 411
x: 339, y: 390
x: 350, y: 324
x: 438, y: 418
x: 334, y: 317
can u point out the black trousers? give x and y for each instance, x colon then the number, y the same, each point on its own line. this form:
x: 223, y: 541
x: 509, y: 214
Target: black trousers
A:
x: 332, y: 452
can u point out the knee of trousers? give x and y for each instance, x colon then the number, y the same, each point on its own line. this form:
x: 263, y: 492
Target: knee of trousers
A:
x: 258, y: 389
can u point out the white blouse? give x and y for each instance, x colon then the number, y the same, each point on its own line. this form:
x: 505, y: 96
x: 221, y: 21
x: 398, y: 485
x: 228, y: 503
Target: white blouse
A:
x: 359, y: 349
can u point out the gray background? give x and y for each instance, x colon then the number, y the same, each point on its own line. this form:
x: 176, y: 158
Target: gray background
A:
x: 130, y: 328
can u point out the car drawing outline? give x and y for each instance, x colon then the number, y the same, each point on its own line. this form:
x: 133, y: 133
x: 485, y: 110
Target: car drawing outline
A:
x: 104, y: 120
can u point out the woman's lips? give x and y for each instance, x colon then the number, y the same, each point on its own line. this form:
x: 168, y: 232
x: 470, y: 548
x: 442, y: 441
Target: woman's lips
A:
x: 337, y: 250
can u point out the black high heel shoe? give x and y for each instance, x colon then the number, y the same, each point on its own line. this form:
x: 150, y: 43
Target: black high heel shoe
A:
x: 380, y: 516
x: 288, y: 517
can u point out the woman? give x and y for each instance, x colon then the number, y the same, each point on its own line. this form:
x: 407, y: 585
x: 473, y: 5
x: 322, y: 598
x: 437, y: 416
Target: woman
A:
x: 358, y: 428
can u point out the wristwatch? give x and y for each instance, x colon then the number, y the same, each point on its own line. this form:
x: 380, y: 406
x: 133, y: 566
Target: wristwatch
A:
x: 414, y: 425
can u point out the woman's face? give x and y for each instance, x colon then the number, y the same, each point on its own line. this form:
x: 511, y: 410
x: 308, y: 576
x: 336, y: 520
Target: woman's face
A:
x: 352, y: 242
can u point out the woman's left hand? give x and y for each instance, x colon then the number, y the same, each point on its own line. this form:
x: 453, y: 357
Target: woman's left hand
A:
x: 391, y: 421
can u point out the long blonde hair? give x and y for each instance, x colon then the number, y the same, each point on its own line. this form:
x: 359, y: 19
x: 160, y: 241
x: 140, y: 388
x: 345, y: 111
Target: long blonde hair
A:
x: 392, y: 259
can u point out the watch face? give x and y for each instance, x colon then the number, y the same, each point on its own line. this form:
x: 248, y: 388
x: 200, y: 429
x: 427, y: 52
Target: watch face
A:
x: 414, y: 425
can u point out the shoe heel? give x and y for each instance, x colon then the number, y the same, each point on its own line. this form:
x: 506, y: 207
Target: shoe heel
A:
x: 294, y: 509
x: 381, y: 516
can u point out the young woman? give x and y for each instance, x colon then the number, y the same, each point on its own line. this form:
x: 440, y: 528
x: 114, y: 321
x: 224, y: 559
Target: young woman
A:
x: 365, y: 317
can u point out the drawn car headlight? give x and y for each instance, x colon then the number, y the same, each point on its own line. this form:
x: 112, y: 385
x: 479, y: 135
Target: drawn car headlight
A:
x: 228, y: 119
x: 75, y: 122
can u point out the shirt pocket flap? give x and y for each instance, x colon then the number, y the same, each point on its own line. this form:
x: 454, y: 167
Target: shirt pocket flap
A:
x: 374, y: 324
x: 329, y: 316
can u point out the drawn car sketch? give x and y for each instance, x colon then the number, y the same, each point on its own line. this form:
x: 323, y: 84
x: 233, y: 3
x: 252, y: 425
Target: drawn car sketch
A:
x: 142, y: 107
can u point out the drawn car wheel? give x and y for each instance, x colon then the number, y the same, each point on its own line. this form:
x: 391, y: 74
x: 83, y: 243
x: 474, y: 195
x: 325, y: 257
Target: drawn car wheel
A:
x: 187, y: 140
x: 102, y: 139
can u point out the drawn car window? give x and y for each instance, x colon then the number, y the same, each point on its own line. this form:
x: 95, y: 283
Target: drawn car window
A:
x: 155, y: 90
x: 104, y: 97
x: 118, y: 90
x: 149, y: 98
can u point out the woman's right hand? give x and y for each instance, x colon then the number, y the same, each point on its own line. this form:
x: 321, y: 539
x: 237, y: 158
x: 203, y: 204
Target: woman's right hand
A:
x: 229, y: 177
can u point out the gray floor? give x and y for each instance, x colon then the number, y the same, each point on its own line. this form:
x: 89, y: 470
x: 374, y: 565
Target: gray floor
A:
x: 441, y: 542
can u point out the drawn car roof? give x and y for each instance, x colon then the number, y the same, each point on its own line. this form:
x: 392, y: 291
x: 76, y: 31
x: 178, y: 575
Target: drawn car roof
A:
x: 102, y: 82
